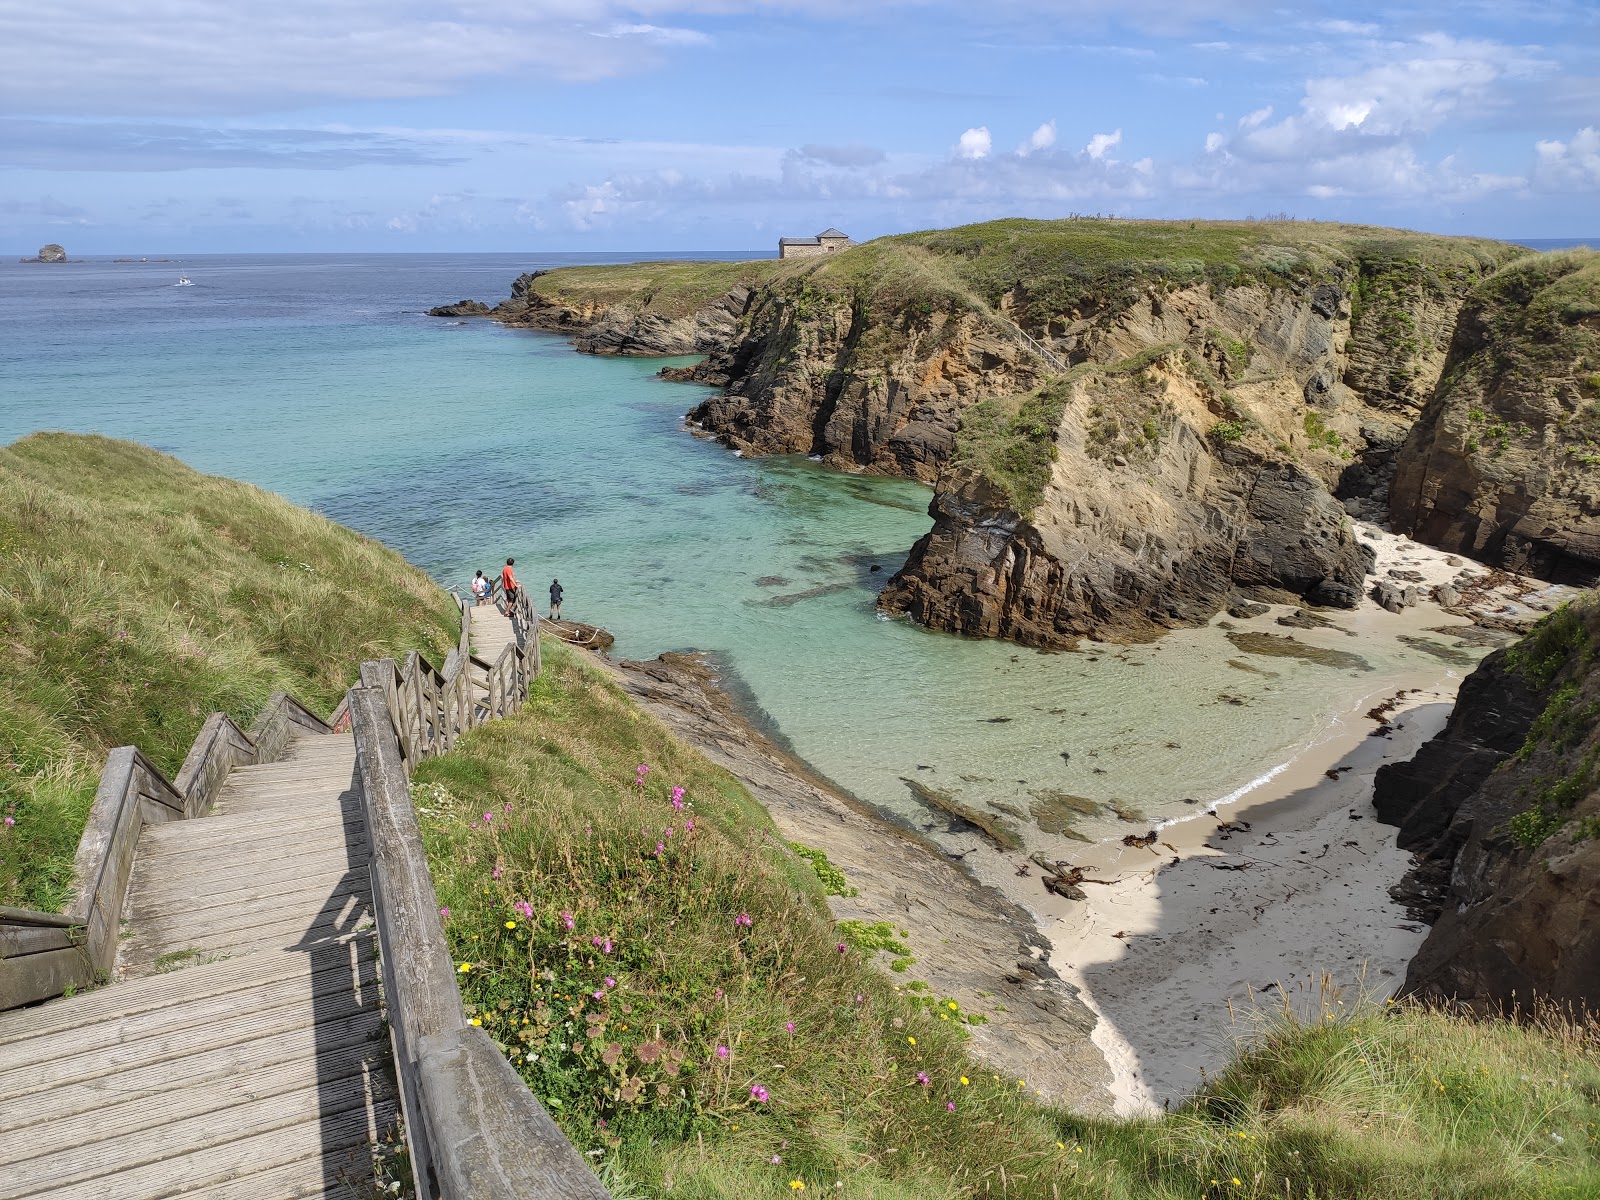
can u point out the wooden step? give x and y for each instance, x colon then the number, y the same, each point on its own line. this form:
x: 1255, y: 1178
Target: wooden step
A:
x: 320, y: 989
x: 362, y: 1032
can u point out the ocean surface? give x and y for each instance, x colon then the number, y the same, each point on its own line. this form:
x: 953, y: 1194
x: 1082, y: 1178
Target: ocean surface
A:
x: 459, y: 444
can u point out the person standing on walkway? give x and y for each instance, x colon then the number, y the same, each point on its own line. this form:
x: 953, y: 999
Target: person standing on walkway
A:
x: 481, y: 588
x: 555, y: 599
x: 508, y: 583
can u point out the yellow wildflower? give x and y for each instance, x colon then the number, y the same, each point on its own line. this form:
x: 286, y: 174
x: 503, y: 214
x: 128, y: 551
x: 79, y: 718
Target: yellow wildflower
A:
x: 912, y: 1040
x: 963, y: 1081
x: 464, y: 968
x: 511, y: 924
x: 474, y: 1021
x: 798, y: 1185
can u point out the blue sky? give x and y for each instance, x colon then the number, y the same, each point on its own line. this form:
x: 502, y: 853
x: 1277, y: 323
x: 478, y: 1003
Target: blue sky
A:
x: 437, y: 125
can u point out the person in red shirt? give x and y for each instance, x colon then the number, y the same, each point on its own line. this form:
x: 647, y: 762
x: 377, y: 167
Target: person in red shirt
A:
x: 508, y: 581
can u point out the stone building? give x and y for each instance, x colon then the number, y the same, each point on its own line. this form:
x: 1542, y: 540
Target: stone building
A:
x: 825, y: 242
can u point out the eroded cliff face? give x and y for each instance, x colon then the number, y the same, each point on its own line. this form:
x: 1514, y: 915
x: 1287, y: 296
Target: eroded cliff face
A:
x: 1504, y: 463
x: 826, y: 375
x: 1207, y: 468
x: 1503, y: 812
x: 1148, y: 522
x: 1124, y: 422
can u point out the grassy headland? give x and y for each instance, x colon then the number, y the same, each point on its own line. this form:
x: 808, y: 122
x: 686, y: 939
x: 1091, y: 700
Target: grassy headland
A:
x: 669, y: 982
x: 138, y: 596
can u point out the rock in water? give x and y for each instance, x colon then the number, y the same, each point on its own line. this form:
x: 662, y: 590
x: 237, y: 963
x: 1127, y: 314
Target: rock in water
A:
x: 461, y: 308
x: 50, y: 254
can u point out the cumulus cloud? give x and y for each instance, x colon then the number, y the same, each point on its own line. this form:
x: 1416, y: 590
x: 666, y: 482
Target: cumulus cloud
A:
x: 975, y: 143
x: 1100, y: 143
x: 1251, y: 119
x: 1041, y: 138
x: 1571, y: 165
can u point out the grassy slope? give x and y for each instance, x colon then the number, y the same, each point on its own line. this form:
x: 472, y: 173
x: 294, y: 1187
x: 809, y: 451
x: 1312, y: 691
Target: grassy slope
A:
x: 612, y: 961
x: 138, y: 596
x: 671, y: 288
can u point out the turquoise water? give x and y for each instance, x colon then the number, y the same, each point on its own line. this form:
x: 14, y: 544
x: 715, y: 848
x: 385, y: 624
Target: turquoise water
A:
x: 460, y: 444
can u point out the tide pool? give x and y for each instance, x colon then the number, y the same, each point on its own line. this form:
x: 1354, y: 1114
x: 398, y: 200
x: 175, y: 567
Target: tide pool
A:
x: 462, y: 443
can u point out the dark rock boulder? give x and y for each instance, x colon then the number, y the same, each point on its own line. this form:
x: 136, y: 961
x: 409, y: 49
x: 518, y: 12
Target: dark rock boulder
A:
x: 1502, y: 810
x: 461, y: 308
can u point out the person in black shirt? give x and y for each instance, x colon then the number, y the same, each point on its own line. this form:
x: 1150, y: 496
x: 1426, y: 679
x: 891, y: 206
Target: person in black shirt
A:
x: 555, y: 599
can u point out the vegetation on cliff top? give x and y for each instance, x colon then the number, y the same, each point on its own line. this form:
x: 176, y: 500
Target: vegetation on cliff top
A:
x: 671, y: 288
x: 137, y: 596
x: 1559, y: 762
x: 665, y: 975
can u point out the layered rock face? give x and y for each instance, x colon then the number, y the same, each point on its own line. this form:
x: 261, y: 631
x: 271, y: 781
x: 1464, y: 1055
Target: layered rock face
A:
x: 1504, y: 463
x: 1146, y: 523
x: 625, y: 324
x: 1125, y: 422
x: 1206, y: 470
x: 1503, y: 811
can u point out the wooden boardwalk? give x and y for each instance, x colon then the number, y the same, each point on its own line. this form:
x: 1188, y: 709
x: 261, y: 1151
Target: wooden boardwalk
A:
x: 240, y: 1052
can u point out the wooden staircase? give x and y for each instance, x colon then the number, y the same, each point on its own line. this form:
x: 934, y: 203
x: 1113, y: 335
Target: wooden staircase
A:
x: 242, y: 1052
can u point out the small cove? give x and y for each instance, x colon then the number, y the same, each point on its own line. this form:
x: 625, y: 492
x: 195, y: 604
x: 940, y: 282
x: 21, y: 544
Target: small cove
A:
x: 458, y: 444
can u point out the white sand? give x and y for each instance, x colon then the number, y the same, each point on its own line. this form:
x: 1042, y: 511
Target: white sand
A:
x: 1180, y: 955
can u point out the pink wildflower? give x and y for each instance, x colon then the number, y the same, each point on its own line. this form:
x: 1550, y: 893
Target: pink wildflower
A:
x: 688, y: 826
x: 11, y: 820
x: 610, y: 982
x: 722, y: 1052
x: 487, y: 817
x: 789, y: 1026
x: 717, y: 995
x: 598, y: 995
x: 775, y: 1159
x: 566, y: 919
x: 443, y: 912
x: 677, y: 798
x: 841, y: 947
x: 949, y: 1106
x: 596, y: 940
x: 922, y: 1078
x: 508, y: 806
x: 743, y: 919
x: 758, y: 1093
x: 667, y: 832
x: 495, y: 874
x: 605, y: 946
x: 860, y: 999
x: 660, y: 849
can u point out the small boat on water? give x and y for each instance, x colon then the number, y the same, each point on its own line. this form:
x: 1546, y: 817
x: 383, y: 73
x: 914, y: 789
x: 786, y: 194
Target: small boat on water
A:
x: 184, y: 281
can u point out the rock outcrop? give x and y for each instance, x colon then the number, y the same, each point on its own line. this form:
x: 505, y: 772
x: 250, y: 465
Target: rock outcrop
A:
x: 48, y: 254
x: 1145, y: 525
x: 1502, y: 810
x: 1504, y: 463
x: 461, y: 308
x: 1126, y: 423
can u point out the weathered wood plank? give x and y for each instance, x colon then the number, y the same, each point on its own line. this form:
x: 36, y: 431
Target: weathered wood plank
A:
x: 277, y: 1143
x: 333, y: 1073
x: 35, y: 977
x: 149, y: 1086
x: 17, y: 940
x: 152, y: 1035
x: 220, y: 746
x: 112, y: 1004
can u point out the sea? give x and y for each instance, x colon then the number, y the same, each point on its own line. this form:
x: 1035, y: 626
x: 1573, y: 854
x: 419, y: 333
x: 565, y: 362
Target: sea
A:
x: 462, y: 443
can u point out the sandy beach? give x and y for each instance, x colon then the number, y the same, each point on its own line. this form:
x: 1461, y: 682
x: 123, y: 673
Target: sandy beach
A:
x: 1278, y: 895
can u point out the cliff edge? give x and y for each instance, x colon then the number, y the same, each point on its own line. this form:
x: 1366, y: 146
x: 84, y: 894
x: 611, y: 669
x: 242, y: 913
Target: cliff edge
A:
x: 1504, y: 463
x: 1502, y: 810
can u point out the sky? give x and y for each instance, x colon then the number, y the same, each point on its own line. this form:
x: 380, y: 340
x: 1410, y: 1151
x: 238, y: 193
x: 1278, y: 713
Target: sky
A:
x: 215, y: 126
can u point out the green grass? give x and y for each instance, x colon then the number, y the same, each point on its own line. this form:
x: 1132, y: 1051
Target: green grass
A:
x: 612, y: 961
x: 672, y: 289
x: 138, y: 596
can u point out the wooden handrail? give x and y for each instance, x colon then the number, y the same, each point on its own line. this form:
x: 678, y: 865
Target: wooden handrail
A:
x: 473, y: 1127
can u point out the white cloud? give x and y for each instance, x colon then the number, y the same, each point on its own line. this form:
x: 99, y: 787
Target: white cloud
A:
x: 1215, y: 142
x: 1041, y: 138
x: 975, y: 143
x: 1102, y: 142
x: 1572, y: 165
x: 1252, y: 119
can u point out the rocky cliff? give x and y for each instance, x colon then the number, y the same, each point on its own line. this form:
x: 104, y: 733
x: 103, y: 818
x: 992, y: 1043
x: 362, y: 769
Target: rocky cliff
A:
x: 1503, y: 812
x: 1504, y: 463
x: 1125, y: 422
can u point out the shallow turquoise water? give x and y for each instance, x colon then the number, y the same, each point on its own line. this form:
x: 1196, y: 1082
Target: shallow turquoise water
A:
x: 459, y: 444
